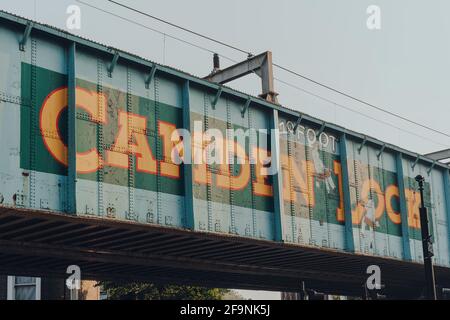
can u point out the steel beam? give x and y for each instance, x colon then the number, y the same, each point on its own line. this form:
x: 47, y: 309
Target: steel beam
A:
x: 72, y: 135
x: 350, y: 243
x: 439, y: 155
x: 403, y: 207
x: 260, y: 64
x: 187, y: 167
x: 277, y: 174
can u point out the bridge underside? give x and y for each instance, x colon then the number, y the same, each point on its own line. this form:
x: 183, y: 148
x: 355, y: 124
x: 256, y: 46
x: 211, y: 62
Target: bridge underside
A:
x: 44, y: 244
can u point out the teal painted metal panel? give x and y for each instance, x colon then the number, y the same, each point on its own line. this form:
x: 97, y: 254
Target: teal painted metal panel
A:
x: 349, y: 240
x: 403, y: 208
x: 187, y: 168
x: 279, y: 223
x: 446, y: 177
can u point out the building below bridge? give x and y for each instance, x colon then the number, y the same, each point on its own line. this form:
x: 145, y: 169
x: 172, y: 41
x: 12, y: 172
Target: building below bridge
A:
x: 31, y: 288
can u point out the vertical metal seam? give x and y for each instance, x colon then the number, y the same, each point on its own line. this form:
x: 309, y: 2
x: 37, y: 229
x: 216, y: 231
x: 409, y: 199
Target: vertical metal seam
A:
x: 350, y: 245
x: 100, y: 139
x: 277, y: 174
x: 291, y: 188
x: 72, y: 144
x: 150, y: 212
x: 188, y: 174
x: 371, y: 194
x: 325, y: 162
x: 403, y: 208
x: 35, y: 131
x: 131, y: 157
x: 231, y: 167
x: 252, y: 169
x: 208, y: 166
x: 446, y: 175
x: 357, y: 166
x: 387, y: 248
x: 309, y: 190
x: 158, y: 153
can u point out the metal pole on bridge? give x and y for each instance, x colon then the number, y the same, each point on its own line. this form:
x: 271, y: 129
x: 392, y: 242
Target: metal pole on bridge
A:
x: 427, y: 245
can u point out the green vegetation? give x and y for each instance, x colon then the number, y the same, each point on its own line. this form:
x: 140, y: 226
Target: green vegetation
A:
x: 150, y: 291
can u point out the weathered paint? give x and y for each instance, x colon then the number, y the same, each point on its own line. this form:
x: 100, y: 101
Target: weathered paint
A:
x: 109, y: 157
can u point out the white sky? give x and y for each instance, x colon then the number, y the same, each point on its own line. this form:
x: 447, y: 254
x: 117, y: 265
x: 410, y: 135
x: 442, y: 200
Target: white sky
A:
x: 404, y: 67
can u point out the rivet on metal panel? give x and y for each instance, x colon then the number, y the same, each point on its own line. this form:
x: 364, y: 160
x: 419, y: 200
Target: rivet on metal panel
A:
x: 111, y: 211
x: 310, y: 188
x: 208, y: 170
x: 253, y: 143
x: 34, y: 125
x: 217, y: 227
x: 19, y: 199
x: 247, y: 230
x: 131, y: 160
x: 216, y: 98
x: 231, y: 170
x: 26, y: 36
x: 159, y: 211
x: 44, y: 204
x: 150, y: 212
x: 88, y: 211
x: 381, y: 151
x: 362, y: 144
x: 100, y: 142
x: 168, y: 220
x: 291, y: 187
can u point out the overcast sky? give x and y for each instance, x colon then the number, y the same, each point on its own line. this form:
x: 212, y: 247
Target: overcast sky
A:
x: 403, y: 68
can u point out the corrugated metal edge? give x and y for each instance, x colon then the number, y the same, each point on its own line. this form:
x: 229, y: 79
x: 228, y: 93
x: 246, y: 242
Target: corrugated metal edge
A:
x: 45, y: 28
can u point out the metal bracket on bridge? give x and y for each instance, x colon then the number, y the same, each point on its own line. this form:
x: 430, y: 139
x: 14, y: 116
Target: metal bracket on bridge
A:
x: 261, y: 65
x: 381, y: 151
x: 415, y: 162
x: 151, y: 76
x: 245, y: 107
x: 297, y: 124
x: 217, y: 97
x: 26, y: 36
x: 431, y: 167
x: 362, y: 144
x: 322, y: 128
x: 113, y: 64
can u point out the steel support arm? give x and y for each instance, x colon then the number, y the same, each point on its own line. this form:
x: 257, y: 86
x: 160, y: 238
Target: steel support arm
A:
x: 260, y: 64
